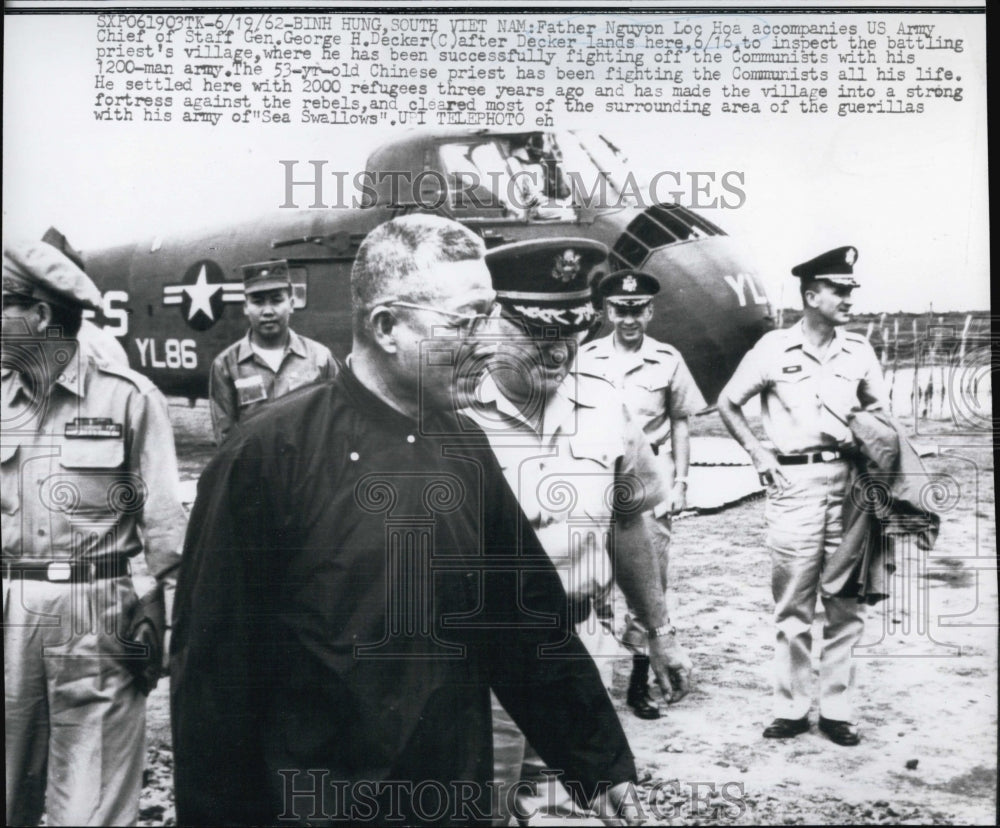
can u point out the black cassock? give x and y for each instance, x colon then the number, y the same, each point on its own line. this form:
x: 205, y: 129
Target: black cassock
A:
x: 353, y: 584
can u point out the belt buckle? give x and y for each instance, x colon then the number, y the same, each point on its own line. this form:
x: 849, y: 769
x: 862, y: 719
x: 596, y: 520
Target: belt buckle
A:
x: 58, y: 571
x: 827, y: 456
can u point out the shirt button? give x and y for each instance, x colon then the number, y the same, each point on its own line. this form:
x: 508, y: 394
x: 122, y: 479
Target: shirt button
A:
x: 41, y: 533
x: 355, y: 456
x: 410, y: 438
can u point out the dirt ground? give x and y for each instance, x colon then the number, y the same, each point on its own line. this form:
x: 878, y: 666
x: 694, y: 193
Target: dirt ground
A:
x: 927, y: 675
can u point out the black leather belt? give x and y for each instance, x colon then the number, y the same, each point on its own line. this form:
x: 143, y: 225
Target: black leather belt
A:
x: 815, y: 457
x: 66, y: 571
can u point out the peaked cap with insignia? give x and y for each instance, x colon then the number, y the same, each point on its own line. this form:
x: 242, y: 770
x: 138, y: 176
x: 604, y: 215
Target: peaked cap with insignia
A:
x: 267, y: 276
x: 547, y: 282
x: 37, y: 271
x: 835, y: 266
x: 628, y: 287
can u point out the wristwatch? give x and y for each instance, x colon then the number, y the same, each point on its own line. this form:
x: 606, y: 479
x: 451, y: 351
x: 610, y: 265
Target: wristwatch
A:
x: 662, y: 631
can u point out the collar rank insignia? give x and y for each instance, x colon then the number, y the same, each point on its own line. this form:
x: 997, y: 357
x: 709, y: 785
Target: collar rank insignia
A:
x: 567, y: 266
x: 629, y: 284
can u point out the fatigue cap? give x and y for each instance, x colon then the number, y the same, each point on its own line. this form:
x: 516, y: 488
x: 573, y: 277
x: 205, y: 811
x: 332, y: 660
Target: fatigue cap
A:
x: 547, y: 282
x: 61, y: 243
x: 38, y: 272
x: 628, y: 288
x: 835, y: 266
x: 267, y: 276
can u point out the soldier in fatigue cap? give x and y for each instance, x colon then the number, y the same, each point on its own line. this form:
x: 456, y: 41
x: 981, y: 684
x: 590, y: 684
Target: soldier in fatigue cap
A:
x: 103, y: 345
x: 579, y: 464
x: 270, y: 360
x: 89, y: 480
x: 654, y: 382
x: 809, y: 377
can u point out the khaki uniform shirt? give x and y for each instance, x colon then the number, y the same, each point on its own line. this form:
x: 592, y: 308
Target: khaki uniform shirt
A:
x: 806, y: 396
x: 654, y: 382
x: 242, y: 382
x: 591, y: 462
x: 89, y: 473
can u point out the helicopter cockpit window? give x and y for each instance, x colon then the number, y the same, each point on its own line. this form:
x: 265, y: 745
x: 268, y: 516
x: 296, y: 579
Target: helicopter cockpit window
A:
x: 538, y: 154
x: 300, y: 286
x: 467, y: 170
x: 520, y: 173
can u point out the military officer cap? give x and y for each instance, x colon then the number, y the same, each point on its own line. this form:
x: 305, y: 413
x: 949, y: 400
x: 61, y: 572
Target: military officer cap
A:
x: 547, y: 282
x: 835, y: 266
x: 267, y: 276
x: 61, y: 243
x: 37, y: 272
x: 630, y: 288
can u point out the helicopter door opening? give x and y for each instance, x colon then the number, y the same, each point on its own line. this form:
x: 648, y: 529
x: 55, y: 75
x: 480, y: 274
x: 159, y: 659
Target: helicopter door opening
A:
x: 488, y: 181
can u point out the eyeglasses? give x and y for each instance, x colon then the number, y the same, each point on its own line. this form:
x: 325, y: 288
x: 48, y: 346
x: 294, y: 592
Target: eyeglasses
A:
x: 469, y: 324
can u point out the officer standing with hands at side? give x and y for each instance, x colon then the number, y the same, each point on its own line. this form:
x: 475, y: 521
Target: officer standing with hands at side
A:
x: 660, y: 394
x: 89, y: 479
x: 270, y: 360
x: 809, y: 377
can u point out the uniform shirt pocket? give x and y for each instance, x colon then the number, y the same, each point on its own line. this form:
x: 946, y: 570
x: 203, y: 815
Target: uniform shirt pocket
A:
x: 791, y: 387
x: 840, y: 392
x: 650, y: 397
x: 592, y: 475
x: 91, y: 481
x: 300, y: 377
x: 250, y: 390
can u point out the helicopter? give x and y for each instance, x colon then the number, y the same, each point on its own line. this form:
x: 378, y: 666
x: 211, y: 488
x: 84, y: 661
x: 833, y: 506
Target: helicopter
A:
x: 174, y: 302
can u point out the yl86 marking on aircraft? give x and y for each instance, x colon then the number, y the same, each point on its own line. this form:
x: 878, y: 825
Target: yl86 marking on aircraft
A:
x: 176, y: 302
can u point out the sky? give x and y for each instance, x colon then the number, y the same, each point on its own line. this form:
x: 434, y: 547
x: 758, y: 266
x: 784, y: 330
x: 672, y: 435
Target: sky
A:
x: 909, y: 193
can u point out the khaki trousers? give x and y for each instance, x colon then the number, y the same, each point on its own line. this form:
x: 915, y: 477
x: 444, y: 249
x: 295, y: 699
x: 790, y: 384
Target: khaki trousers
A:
x: 804, y: 531
x: 74, y: 722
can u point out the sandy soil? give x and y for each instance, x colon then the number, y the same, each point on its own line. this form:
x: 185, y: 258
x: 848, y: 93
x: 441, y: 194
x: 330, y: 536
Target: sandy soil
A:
x: 927, y: 676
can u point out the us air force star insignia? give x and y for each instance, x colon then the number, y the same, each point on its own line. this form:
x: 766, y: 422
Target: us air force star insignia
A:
x: 566, y: 267
x: 629, y: 284
x: 202, y: 294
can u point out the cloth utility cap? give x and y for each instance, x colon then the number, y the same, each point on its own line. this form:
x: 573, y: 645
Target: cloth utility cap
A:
x: 61, y: 243
x: 267, y: 276
x: 37, y: 271
x: 835, y: 266
x: 547, y: 282
x: 630, y: 288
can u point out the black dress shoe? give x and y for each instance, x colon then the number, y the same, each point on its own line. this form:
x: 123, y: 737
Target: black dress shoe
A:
x: 642, y: 705
x: 786, y: 728
x: 638, y: 697
x: 841, y: 733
